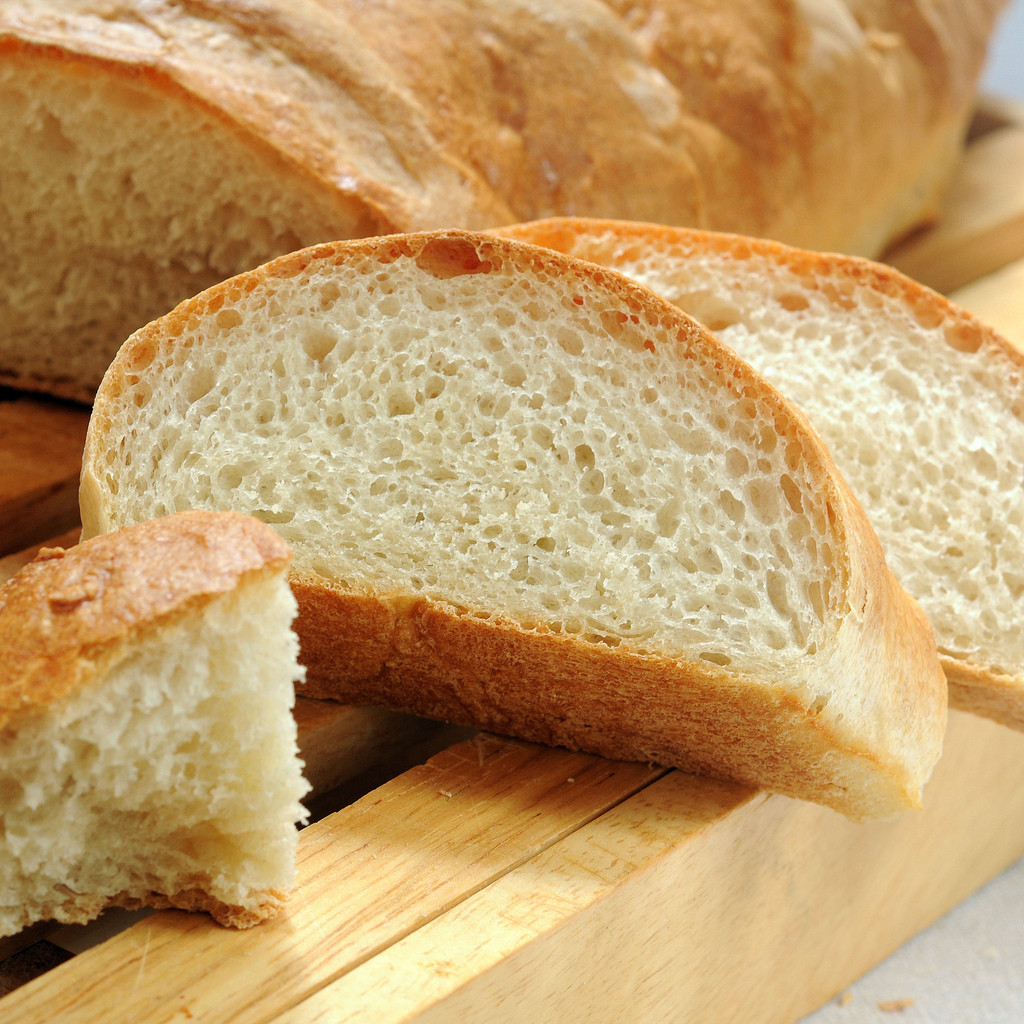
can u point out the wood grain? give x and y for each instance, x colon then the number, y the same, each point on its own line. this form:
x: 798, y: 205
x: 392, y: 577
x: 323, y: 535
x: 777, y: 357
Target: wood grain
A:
x: 491, y: 882
x: 40, y: 460
x: 697, y: 901
x: 982, y: 227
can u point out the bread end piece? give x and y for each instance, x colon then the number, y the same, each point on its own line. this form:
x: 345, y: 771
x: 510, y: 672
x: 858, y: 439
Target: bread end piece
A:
x: 149, y: 754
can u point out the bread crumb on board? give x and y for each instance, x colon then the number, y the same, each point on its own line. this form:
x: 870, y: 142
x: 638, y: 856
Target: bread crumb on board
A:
x: 895, y: 1005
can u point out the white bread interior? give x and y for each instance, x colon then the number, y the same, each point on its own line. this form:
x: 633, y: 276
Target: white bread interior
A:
x: 125, y: 203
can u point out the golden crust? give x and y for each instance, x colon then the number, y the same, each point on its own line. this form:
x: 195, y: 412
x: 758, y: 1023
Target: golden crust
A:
x: 928, y: 306
x: 69, y: 612
x: 81, y: 909
x: 458, y: 666
x: 831, y: 128
x: 271, y: 903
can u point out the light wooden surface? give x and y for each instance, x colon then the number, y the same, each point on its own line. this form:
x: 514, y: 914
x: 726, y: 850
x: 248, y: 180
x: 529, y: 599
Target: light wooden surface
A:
x: 373, y: 872
x: 982, y: 229
x: 40, y: 458
x: 690, y: 902
x: 508, y: 882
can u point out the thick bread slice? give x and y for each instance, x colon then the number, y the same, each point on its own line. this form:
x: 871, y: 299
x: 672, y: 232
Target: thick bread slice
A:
x: 147, y: 750
x: 149, y: 150
x: 525, y: 494
x: 920, y: 403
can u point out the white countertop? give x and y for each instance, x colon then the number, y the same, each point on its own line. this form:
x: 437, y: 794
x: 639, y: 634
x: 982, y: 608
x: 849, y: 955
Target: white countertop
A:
x: 967, y: 968
x: 1005, y: 73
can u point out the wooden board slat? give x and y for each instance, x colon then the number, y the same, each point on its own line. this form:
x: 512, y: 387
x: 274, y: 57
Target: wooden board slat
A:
x: 689, y: 902
x: 40, y: 460
x: 375, y: 870
x: 982, y: 225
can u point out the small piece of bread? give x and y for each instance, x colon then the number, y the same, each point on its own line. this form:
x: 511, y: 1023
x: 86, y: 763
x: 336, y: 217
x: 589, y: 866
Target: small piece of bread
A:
x: 920, y: 403
x: 148, y: 752
x: 525, y: 494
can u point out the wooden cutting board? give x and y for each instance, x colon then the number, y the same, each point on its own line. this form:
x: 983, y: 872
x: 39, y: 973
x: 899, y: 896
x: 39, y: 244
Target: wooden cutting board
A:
x: 505, y: 881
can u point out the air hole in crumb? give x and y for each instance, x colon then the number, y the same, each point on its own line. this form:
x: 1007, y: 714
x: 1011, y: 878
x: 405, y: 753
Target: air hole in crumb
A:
x: 400, y: 403
x: 793, y: 301
x: 228, y: 318
x: 570, y: 342
x: 964, y: 337
x: 514, y: 376
x: 451, y: 257
x: 715, y: 657
x: 777, y: 593
x: 792, y: 493
x: 317, y: 343
x: 271, y: 517
x: 200, y: 384
x: 585, y: 457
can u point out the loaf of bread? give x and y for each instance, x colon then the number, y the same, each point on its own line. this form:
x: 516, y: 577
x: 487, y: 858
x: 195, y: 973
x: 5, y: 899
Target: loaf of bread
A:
x: 524, y: 494
x: 921, y: 405
x: 152, y: 149
x: 148, y: 753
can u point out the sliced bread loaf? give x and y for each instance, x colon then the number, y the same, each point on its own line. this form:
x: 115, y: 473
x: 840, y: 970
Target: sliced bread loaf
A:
x: 920, y: 403
x: 148, y: 753
x: 525, y: 494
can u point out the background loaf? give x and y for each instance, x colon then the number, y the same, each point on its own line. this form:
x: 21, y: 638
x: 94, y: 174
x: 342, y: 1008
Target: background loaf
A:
x: 150, y: 150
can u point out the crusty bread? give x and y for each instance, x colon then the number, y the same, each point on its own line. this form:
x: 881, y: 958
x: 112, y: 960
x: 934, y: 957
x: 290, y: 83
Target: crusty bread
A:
x: 525, y: 494
x: 147, y: 750
x: 149, y: 150
x: 920, y: 403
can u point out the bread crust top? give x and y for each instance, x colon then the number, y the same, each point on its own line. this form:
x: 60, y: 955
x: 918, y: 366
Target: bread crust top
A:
x: 70, y: 611
x: 765, y: 118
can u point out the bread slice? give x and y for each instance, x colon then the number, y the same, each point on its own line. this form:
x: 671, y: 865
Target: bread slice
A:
x: 523, y: 493
x: 147, y: 750
x: 920, y: 403
x: 151, y: 150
